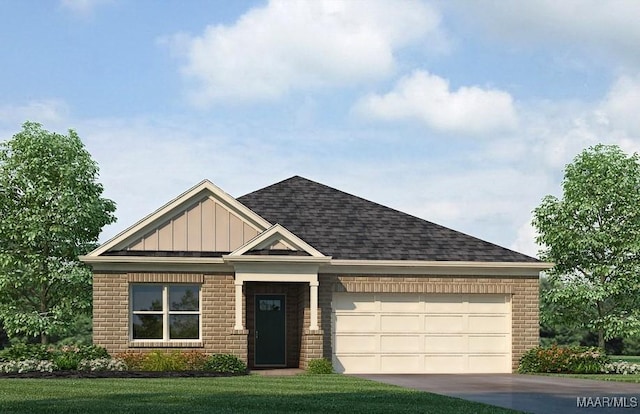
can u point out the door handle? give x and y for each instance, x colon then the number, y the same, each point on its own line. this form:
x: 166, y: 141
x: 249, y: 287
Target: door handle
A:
x: 256, y: 334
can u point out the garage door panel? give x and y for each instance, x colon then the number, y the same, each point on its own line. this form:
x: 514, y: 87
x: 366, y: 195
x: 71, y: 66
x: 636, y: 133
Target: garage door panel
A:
x: 444, y: 363
x: 486, y: 303
x: 488, y: 323
x: 487, y: 363
x: 444, y: 323
x: 401, y: 303
x: 356, y: 323
x: 349, y: 303
x: 395, y: 364
x: 445, y: 343
x: 364, y: 364
x: 489, y: 344
x: 400, y: 343
x: 400, y: 323
x: 444, y: 304
x: 357, y: 343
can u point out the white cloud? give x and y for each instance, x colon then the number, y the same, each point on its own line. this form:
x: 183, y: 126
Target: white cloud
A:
x: 525, y: 241
x: 298, y: 45
x: 604, y: 28
x: 621, y: 107
x: 428, y: 98
x: 44, y: 111
x: 82, y: 7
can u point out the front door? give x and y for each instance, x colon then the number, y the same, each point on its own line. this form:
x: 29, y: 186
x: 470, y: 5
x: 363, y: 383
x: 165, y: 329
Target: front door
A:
x: 270, y: 333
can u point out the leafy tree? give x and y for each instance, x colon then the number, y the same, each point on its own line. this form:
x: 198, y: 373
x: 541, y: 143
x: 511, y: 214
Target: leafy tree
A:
x: 51, y: 211
x: 592, y: 235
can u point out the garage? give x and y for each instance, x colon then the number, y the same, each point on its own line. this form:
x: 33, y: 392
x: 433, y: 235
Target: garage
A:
x: 421, y: 333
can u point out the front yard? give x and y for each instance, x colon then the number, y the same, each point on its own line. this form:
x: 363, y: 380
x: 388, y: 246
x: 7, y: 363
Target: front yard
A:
x: 247, y: 394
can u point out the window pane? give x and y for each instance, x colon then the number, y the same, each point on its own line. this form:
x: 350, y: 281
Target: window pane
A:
x: 267, y: 305
x: 147, y: 298
x: 147, y: 326
x: 184, y: 298
x: 184, y: 326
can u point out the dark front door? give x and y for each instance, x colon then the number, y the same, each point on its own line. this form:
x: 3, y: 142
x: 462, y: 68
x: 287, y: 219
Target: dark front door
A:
x: 270, y: 331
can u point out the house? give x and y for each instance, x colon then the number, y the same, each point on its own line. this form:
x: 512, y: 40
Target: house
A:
x: 299, y: 270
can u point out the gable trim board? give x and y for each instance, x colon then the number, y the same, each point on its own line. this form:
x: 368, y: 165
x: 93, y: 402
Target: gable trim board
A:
x: 392, y: 269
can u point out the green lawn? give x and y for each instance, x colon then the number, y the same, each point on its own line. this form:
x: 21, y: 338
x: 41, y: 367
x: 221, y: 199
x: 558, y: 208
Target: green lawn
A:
x: 629, y: 358
x: 602, y: 377
x: 248, y: 394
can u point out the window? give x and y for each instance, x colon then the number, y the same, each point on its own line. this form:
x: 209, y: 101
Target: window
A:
x: 165, y: 312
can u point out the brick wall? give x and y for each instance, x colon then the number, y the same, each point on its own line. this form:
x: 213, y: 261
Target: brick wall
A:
x: 523, y: 292
x: 111, y: 313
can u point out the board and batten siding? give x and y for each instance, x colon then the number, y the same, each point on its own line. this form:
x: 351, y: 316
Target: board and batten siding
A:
x: 205, y: 226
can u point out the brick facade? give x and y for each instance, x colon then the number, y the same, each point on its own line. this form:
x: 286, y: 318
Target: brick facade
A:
x: 111, y: 313
x: 111, y: 309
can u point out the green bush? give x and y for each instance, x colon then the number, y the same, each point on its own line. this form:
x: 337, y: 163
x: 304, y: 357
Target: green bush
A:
x: 102, y: 364
x: 22, y: 352
x: 163, y: 361
x: 320, y: 366
x: 225, y: 363
x: 67, y: 358
x: 566, y: 360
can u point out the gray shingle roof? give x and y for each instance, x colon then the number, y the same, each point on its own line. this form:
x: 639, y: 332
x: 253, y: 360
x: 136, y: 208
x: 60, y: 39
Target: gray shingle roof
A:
x: 348, y: 227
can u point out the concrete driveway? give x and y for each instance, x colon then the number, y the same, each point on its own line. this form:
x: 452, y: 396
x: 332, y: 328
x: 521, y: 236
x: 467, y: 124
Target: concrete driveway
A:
x: 528, y: 393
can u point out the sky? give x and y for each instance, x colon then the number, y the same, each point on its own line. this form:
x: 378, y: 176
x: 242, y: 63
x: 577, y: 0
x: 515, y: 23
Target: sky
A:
x: 463, y: 113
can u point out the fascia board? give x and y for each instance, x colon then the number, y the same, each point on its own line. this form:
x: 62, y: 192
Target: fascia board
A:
x: 435, y: 267
x: 276, y: 259
x: 277, y: 231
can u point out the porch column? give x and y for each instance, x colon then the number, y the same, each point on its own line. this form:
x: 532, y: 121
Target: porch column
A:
x: 238, y: 325
x: 313, y: 294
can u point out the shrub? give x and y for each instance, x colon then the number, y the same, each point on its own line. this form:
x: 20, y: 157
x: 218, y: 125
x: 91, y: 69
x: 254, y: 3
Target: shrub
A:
x: 21, y: 352
x: 133, y: 360
x: 320, y: 366
x: 26, y: 365
x: 68, y: 357
x: 225, y: 363
x: 557, y: 359
x: 621, y: 367
x: 102, y: 364
x: 194, y: 360
x: 163, y: 361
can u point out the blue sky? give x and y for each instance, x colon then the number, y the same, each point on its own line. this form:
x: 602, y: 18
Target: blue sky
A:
x: 459, y: 112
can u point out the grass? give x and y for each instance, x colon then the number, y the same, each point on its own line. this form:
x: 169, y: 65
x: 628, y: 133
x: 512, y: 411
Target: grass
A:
x: 628, y: 358
x: 635, y: 378
x: 246, y: 394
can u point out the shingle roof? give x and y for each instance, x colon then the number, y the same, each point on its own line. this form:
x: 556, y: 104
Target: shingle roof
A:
x: 344, y: 226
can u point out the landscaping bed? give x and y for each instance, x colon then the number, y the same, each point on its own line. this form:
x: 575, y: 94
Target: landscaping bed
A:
x: 117, y: 374
x: 40, y: 361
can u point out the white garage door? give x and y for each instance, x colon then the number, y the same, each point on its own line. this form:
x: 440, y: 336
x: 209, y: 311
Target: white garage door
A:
x: 421, y: 333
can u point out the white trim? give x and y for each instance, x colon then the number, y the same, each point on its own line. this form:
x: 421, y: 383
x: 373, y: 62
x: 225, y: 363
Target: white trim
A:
x: 416, y: 267
x: 275, y: 233
x: 205, y: 187
x: 166, y: 313
x: 326, y: 265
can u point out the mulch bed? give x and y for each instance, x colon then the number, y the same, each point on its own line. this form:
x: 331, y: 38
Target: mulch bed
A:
x: 118, y: 374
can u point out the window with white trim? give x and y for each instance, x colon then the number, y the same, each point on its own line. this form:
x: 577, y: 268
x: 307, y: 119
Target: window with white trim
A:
x: 165, y: 312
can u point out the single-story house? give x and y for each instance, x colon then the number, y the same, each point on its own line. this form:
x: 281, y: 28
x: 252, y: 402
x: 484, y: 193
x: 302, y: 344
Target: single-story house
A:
x: 299, y: 270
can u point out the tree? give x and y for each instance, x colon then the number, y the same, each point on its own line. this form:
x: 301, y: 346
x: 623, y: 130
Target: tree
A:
x: 592, y: 235
x: 51, y: 211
